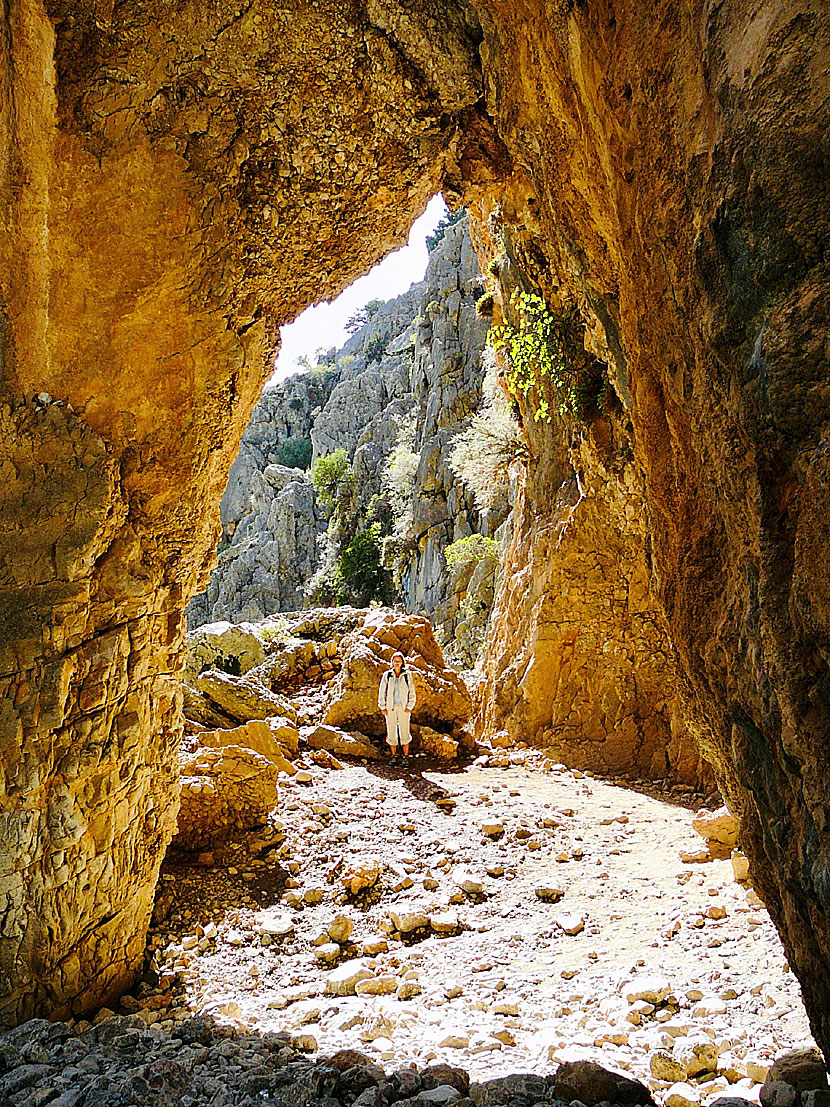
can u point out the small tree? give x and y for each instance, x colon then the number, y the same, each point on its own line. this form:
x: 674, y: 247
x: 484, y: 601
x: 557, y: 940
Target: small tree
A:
x: 327, y: 473
x: 363, y: 316
x: 295, y: 453
x: 362, y: 575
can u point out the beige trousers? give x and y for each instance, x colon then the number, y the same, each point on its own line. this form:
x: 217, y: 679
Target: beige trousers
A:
x: 397, y: 722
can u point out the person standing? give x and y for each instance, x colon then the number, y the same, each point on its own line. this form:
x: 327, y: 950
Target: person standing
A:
x: 396, y: 699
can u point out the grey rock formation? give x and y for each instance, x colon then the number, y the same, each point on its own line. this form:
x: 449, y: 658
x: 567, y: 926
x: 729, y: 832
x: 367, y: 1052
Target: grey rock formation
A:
x: 446, y: 384
x: 272, y: 554
x: 412, y: 372
x: 285, y: 411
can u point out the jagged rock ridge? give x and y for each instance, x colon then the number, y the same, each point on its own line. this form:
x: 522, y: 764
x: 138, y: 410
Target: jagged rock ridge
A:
x: 416, y: 366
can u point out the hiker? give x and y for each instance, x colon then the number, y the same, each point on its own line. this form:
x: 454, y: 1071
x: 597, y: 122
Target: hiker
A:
x: 396, y: 698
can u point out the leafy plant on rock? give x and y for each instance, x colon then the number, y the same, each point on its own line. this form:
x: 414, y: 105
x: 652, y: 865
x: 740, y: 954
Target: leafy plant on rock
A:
x: 362, y: 575
x: 295, y: 453
x: 469, y: 551
x: 375, y: 348
x: 545, y: 355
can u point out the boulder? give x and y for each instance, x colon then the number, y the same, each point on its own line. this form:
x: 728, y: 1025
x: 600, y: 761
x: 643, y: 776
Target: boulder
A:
x: 406, y: 922
x: 804, y: 1069
x: 719, y: 829
x: 241, y: 698
x: 337, y: 741
x: 255, y: 735
x: 518, y: 1090
x: 344, y: 979
x: 226, y: 789
x: 351, y: 702
x: 358, y: 878
x: 233, y: 647
x: 436, y: 744
x: 285, y: 732
x: 591, y: 1084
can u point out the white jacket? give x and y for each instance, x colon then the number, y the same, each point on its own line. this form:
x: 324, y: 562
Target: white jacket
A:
x: 386, y: 691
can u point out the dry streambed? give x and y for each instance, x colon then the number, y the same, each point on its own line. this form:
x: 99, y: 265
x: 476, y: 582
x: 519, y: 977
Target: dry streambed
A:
x: 499, y: 920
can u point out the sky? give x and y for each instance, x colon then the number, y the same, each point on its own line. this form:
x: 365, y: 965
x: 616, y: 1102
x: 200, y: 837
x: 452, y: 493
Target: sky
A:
x: 323, y: 325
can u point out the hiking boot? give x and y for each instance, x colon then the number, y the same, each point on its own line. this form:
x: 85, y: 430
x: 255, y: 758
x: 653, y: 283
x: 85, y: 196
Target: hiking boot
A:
x: 405, y: 759
x: 394, y: 759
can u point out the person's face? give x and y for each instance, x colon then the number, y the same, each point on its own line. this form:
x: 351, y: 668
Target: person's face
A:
x: 397, y: 664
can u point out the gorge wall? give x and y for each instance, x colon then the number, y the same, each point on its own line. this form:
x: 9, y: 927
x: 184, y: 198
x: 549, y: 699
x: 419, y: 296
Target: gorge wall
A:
x: 175, y: 186
x: 402, y: 386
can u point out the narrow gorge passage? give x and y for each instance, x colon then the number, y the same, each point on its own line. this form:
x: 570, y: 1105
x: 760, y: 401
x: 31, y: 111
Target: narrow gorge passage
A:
x: 177, y: 182
x: 506, y: 918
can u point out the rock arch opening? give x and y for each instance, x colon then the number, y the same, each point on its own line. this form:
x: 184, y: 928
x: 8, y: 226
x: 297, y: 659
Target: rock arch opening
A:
x: 176, y: 185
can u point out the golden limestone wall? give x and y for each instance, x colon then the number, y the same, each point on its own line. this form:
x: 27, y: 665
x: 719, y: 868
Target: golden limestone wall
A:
x: 176, y: 181
x: 174, y: 184
x: 671, y: 180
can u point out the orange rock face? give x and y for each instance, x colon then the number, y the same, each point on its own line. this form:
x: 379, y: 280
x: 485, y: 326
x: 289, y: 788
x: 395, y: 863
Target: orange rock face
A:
x: 177, y: 184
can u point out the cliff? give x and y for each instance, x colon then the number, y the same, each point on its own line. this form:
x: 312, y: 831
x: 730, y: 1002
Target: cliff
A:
x: 408, y: 380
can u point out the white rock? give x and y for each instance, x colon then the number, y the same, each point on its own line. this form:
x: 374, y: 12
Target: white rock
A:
x: 653, y: 989
x: 682, y: 1095
x: 467, y: 882
x: 345, y: 978
x: 274, y: 923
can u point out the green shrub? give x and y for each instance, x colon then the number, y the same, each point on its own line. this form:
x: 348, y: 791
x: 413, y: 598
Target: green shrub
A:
x: 327, y: 474
x: 273, y: 633
x: 375, y: 348
x: 469, y: 550
x: 546, y: 353
x: 295, y: 453
x: 362, y: 576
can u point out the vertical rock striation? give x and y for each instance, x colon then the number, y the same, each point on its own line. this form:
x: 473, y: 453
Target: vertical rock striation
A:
x: 674, y: 182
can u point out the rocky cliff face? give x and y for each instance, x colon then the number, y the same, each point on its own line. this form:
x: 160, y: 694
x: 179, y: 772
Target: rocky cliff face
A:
x: 414, y: 366
x: 176, y: 184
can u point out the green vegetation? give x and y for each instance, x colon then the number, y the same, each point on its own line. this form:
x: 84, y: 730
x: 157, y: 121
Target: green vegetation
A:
x: 546, y: 356
x: 328, y: 474
x: 444, y: 224
x: 470, y: 550
x: 272, y: 633
x: 362, y: 577
x: 375, y: 348
x: 295, y: 453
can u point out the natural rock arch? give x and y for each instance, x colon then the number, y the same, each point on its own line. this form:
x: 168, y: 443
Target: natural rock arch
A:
x: 177, y: 181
